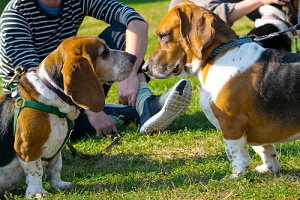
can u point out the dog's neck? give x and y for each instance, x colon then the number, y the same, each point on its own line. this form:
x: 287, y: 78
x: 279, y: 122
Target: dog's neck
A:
x: 59, y: 93
x: 238, y: 42
x: 223, y: 36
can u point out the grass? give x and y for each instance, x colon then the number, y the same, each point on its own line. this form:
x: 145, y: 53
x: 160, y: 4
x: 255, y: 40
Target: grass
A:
x: 2, y: 4
x: 187, y: 161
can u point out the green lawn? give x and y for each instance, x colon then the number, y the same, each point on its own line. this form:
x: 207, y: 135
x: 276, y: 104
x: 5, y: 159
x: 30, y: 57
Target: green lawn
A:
x: 187, y: 161
x: 2, y: 4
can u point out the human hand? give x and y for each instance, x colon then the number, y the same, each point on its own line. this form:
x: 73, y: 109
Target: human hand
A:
x: 279, y: 2
x: 128, y: 89
x: 101, y: 122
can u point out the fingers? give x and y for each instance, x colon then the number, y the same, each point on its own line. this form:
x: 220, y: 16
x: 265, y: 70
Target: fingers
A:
x: 281, y: 2
x: 106, y: 128
x: 127, y: 90
x: 132, y: 101
x: 101, y: 122
x: 106, y: 131
x: 278, y: 2
x: 125, y: 101
x: 103, y: 132
x: 122, y: 100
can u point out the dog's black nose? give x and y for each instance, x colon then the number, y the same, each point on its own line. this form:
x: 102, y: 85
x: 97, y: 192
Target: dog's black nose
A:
x: 145, y: 68
x: 132, y: 58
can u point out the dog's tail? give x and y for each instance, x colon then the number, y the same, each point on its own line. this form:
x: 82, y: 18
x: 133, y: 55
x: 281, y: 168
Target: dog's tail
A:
x: 7, y: 152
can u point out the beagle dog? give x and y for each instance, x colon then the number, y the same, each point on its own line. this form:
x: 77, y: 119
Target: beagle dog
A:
x: 273, y: 19
x: 68, y: 79
x: 250, y: 93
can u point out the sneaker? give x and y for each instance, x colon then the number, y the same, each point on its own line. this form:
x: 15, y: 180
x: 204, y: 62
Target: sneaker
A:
x: 160, y: 111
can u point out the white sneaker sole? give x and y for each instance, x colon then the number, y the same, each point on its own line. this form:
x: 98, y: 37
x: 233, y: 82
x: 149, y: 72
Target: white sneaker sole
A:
x: 174, y: 106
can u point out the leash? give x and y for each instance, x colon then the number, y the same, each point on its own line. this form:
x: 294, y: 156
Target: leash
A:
x: 114, y: 140
x: 271, y: 35
x: 292, y: 29
x: 19, y: 71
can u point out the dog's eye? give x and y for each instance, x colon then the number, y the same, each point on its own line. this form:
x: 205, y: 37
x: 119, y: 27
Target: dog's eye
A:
x: 162, y: 37
x: 105, y: 53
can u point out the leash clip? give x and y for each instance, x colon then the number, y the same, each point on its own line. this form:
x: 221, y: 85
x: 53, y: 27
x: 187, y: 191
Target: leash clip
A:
x: 19, y: 71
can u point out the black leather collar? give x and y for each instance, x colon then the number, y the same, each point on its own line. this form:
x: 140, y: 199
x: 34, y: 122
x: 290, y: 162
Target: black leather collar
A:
x: 59, y: 93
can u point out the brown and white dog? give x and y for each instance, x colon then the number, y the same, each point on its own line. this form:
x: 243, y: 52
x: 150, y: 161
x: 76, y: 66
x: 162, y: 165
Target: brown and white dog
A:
x: 273, y: 19
x: 250, y: 93
x: 69, y: 78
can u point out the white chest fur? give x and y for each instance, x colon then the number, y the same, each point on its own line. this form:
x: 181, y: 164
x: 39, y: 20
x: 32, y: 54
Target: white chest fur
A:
x: 232, y: 63
x: 59, y: 126
x: 59, y: 130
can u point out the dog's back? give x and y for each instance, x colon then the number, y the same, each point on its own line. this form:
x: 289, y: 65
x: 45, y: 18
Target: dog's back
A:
x: 7, y: 152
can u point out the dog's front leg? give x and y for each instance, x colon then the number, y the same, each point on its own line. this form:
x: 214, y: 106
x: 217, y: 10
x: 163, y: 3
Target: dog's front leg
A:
x: 53, y: 169
x: 268, y: 156
x: 237, y: 154
x: 34, y: 173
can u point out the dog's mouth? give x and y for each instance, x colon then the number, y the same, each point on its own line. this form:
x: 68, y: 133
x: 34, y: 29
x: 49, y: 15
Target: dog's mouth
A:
x: 109, y: 82
x: 176, y: 69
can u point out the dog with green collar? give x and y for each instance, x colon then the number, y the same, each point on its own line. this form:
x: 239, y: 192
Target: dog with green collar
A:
x: 45, y: 105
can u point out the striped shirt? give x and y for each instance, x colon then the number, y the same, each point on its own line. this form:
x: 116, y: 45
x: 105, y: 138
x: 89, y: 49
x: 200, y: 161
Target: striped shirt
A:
x: 29, y: 33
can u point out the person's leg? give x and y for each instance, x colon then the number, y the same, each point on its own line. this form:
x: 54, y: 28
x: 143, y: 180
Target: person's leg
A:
x: 158, y: 112
x: 155, y: 112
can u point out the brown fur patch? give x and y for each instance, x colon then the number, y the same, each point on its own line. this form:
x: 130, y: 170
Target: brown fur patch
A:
x: 32, y: 132
x: 33, y: 127
x: 237, y: 112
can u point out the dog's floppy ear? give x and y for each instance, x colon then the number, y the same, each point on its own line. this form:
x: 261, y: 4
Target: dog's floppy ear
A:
x: 196, y: 28
x: 82, y: 84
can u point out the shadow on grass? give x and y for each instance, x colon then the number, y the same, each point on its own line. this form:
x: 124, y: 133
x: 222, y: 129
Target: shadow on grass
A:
x: 130, y: 172
x: 127, y: 172
x: 135, y: 172
x: 193, y: 121
x: 140, y: 172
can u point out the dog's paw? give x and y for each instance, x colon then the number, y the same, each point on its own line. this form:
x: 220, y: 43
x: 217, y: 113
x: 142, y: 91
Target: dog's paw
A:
x: 62, y: 185
x: 264, y: 168
x: 35, y: 191
x: 233, y: 176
